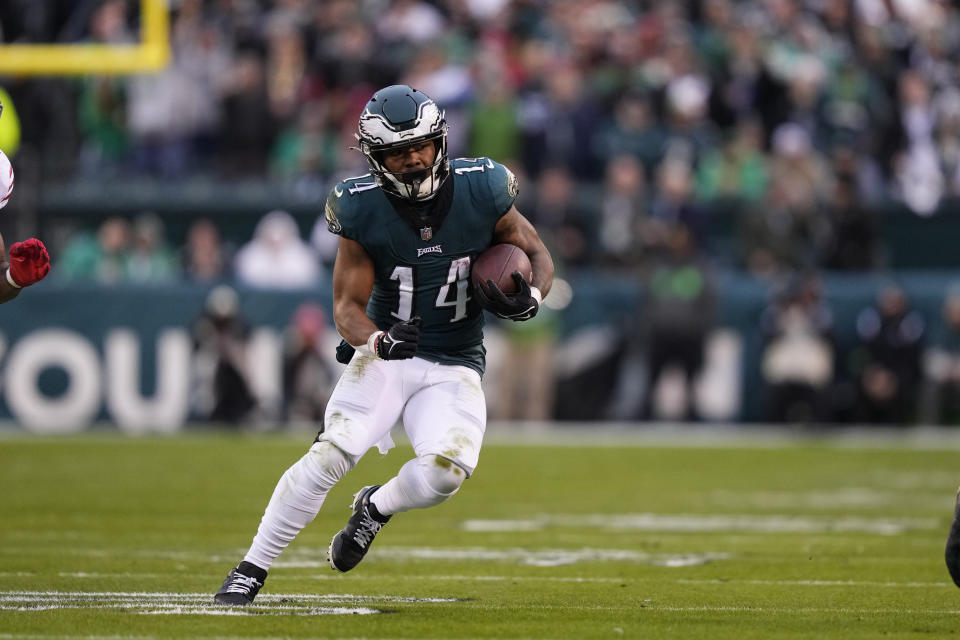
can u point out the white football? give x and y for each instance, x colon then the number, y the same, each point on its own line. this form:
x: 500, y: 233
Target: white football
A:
x: 6, y: 179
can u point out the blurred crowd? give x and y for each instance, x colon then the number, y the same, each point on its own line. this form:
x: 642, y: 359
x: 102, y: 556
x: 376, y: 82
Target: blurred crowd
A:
x: 646, y: 134
x: 787, y: 119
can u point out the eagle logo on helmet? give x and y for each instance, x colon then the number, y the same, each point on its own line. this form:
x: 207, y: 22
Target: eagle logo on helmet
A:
x: 398, y: 116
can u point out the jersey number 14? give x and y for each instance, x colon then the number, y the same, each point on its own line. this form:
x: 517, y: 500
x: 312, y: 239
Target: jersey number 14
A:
x: 451, y: 295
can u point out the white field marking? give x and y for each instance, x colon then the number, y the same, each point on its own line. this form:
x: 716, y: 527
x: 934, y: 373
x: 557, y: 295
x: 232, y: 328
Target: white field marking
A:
x: 36, y: 636
x: 120, y: 574
x: 531, y: 557
x: 232, y: 611
x: 825, y: 583
x: 199, y: 603
x: 804, y: 610
x: 843, y: 498
x: 703, y: 523
x: 16, y: 574
x: 454, y: 578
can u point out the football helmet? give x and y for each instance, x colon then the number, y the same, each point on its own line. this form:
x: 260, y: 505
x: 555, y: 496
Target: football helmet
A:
x: 398, y: 116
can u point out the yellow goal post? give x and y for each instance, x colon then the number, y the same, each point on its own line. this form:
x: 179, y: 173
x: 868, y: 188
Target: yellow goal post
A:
x: 150, y: 55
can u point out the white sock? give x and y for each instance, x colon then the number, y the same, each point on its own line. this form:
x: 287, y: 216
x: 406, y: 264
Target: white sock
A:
x: 421, y: 483
x: 296, y: 500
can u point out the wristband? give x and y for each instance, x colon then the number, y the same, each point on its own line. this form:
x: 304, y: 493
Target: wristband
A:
x: 10, y: 280
x: 535, y: 293
x: 370, y: 347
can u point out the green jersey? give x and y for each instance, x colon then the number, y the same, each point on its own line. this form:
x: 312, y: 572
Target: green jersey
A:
x: 426, y: 272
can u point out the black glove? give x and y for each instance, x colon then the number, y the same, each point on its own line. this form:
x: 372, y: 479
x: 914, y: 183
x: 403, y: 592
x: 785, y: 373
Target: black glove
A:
x: 518, y: 306
x: 345, y: 352
x: 400, y: 341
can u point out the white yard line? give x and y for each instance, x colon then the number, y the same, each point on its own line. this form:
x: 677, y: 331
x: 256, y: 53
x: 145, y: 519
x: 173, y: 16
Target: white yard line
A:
x: 100, y: 574
x: 454, y: 578
x: 148, y: 603
x: 804, y: 610
x: 697, y: 523
x: 840, y: 498
x: 530, y: 557
x: 376, y: 577
x: 827, y: 583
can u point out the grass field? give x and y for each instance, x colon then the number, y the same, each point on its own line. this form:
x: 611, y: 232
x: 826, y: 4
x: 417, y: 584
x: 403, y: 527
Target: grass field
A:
x: 105, y: 537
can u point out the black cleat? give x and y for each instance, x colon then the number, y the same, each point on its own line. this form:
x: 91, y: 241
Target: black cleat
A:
x: 952, y: 552
x: 240, y: 589
x: 353, y: 541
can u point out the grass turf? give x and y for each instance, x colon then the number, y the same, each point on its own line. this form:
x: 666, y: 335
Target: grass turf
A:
x: 106, y: 536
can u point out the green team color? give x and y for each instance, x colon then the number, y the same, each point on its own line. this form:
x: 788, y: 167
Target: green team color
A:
x: 426, y: 272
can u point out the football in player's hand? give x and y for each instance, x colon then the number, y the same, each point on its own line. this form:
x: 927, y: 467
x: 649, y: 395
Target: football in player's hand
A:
x: 498, y: 263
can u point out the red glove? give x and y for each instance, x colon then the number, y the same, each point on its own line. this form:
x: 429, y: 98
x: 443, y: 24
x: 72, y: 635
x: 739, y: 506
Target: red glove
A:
x: 29, y: 263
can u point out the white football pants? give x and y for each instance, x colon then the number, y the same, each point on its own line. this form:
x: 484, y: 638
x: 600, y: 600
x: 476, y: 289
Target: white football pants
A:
x: 444, y: 416
x: 443, y: 409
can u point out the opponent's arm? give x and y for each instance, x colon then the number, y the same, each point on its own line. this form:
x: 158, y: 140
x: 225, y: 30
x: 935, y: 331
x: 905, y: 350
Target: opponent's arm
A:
x: 29, y: 261
x: 515, y: 229
x: 353, y: 276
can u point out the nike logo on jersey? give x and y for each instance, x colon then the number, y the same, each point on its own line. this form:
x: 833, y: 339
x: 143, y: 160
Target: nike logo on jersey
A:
x: 434, y: 249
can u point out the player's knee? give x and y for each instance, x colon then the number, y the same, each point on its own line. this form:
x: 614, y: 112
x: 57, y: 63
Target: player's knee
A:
x: 329, y: 461
x: 441, y: 474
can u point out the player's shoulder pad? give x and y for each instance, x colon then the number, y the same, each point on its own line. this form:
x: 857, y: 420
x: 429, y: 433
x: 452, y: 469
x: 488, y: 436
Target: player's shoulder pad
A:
x: 343, y: 200
x: 501, y: 182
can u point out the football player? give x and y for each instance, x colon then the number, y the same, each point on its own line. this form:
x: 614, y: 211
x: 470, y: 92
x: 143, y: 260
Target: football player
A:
x: 952, y: 550
x: 29, y: 262
x: 412, y: 329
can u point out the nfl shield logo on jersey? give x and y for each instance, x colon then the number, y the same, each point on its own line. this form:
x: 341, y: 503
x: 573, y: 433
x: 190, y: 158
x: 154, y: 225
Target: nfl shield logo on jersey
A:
x: 426, y: 233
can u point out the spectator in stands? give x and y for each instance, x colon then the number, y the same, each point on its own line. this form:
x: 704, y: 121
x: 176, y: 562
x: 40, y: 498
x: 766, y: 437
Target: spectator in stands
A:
x: 559, y: 216
x: 559, y: 123
x: 103, y: 258
x: 673, y: 202
x: 634, y: 129
x: 624, y: 213
x: 789, y: 230
x: 887, y: 362
x: 854, y: 242
x: 276, y: 257
x: 174, y: 113
x: 948, y: 137
x: 308, y: 377
x: 102, y: 102
x: 205, y: 258
x: 221, y: 389
x: 324, y: 243
x: 526, y: 380
x: 308, y: 153
x: 451, y: 86
x: 736, y: 171
x: 689, y: 132
x: 678, y: 311
x: 247, y: 128
x: 150, y: 259
x: 492, y: 116
x: 798, y: 354
x: 918, y: 179
x: 288, y: 76
x: 942, y: 366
